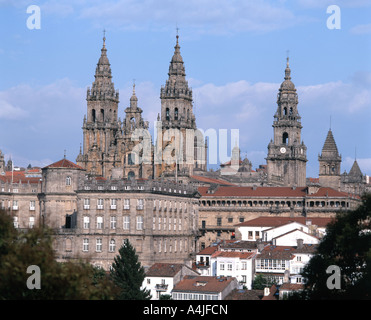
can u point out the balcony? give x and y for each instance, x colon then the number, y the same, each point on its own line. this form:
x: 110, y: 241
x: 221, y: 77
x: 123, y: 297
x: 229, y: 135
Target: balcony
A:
x: 100, y: 206
x: 113, y: 207
x: 161, y: 287
x: 140, y: 207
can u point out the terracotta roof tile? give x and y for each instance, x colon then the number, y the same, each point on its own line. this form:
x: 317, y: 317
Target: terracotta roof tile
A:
x: 164, y: 269
x: 203, y: 284
x: 279, y: 221
x: 64, y: 163
x: 233, y: 254
x: 212, y: 181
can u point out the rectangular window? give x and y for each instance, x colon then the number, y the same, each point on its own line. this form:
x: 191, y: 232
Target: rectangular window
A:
x: 100, y: 204
x: 31, y: 222
x: 140, y: 204
x: 229, y: 266
x: 85, y: 245
x: 126, y: 222
x: 113, y: 204
x: 126, y: 204
x: 112, y: 245
x: 98, y: 247
x: 221, y: 266
x: 86, y: 222
x: 113, y: 222
x: 99, y: 222
x: 86, y: 204
x: 139, y: 222
x: 257, y: 235
x: 15, y: 204
x: 15, y: 222
x: 244, y: 266
x: 32, y: 205
x: 219, y: 222
x: 250, y: 235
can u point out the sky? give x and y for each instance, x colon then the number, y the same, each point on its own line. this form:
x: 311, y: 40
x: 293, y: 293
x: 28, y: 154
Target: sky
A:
x: 234, y: 54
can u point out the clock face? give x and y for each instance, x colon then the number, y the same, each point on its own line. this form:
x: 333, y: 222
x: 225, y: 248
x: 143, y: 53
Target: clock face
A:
x: 283, y: 150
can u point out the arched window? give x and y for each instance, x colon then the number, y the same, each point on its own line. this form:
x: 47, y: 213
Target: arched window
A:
x: 167, y: 114
x: 285, y: 111
x: 68, y: 181
x: 102, y: 114
x: 285, y: 138
x: 93, y: 118
x: 131, y: 175
x: 176, y: 114
x: 291, y: 111
x: 112, y: 245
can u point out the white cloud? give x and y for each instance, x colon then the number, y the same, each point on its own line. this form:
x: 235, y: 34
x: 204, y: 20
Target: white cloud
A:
x: 208, y: 16
x: 9, y: 111
x: 361, y: 29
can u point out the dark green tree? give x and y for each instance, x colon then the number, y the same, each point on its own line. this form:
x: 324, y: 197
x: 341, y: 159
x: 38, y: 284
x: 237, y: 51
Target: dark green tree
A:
x: 128, y: 274
x: 346, y: 245
x: 260, y: 282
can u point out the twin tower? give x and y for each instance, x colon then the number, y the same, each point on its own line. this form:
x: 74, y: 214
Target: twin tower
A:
x: 123, y: 149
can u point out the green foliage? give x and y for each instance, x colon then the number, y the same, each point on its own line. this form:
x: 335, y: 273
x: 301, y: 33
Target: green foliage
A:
x: 165, y: 297
x: 59, y: 281
x: 260, y: 282
x: 347, y: 244
x: 128, y: 274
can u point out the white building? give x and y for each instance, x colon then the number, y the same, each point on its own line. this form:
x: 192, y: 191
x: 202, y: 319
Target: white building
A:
x: 161, y: 278
x: 240, y: 265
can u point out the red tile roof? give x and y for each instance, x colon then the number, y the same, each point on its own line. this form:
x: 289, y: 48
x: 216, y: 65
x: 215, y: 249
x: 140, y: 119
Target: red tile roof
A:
x: 233, y: 254
x: 235, y: 191
x: 208, y: 250
x: 164, y: 269
x: 18, y: 177
x: 64, y: 163
x: 203, y: 284
x: 212, y: 181
x: 279, y: 221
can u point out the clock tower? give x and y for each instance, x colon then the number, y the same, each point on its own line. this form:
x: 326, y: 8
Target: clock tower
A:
x: 287, y: 154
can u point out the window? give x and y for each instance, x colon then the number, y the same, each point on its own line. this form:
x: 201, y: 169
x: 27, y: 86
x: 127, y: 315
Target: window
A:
x: 113, y: 222
x: 86, y: 204
x: 15, y: 222
x: 131, y: 175
x: 31, y: 222
x: 242, y: 219
x: 250, y: 235
x: 112, y: 245
x: 229, y: 266
x: 98, y: 246
x: 285, y: 138
x: 139, y: 222
x: 221, y: 266
x: 244, y: 266
x: 32, y: 205
x: 99, y: 222
x: 176, y: 114
x: 126, y: 204
x: 257, y: 235
x: 100, y: 204
x: 85, y: 245
x: 167, y: 114
x: 113, y: 204
x: 68, y: 181
x: 86, y: 222
x: 15, y: 190
x: 126, y: 222
x: 140, y: 204
x: 243, y: 279
x: 15, y: 204
x: 218, y: 222
x: 131, y: 159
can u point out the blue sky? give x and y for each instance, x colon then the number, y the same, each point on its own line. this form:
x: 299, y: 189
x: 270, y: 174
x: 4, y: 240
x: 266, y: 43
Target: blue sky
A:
x: 234, y: 54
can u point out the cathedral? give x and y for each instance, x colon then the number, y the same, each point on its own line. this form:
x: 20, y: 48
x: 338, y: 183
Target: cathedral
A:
x: 115, y: 149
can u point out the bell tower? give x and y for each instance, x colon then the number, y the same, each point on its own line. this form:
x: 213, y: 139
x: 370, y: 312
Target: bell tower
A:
x: 183, y: 146
x: 100, y: 126
x: 286, y: 159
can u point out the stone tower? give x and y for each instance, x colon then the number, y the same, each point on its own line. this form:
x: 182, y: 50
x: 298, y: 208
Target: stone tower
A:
x: 329, y: 164
x: 2, y: 163
x: 101, y: 127
x: 136, y: 143
x: 183, y: 146
x: 286, y: 160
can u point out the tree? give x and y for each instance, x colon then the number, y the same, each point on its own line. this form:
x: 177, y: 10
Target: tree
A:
x: 260, y: 282
x: 347, y: 247
x: 58, y: 281
x: 128, y: 274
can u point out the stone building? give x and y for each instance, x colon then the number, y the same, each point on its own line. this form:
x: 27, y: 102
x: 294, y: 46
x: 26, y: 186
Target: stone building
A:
x: 222, y: 207
x: 158, y: 218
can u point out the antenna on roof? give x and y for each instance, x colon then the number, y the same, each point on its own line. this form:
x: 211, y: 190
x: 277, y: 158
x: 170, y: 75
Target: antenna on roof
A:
x: 64, y: 155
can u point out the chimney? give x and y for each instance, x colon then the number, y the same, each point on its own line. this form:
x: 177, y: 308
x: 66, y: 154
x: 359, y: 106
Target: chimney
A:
x: 266, y: 291
x: 299, y: 243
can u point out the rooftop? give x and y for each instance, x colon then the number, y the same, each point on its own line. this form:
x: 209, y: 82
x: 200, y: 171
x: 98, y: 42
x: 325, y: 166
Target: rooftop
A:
x: 204, y: 284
